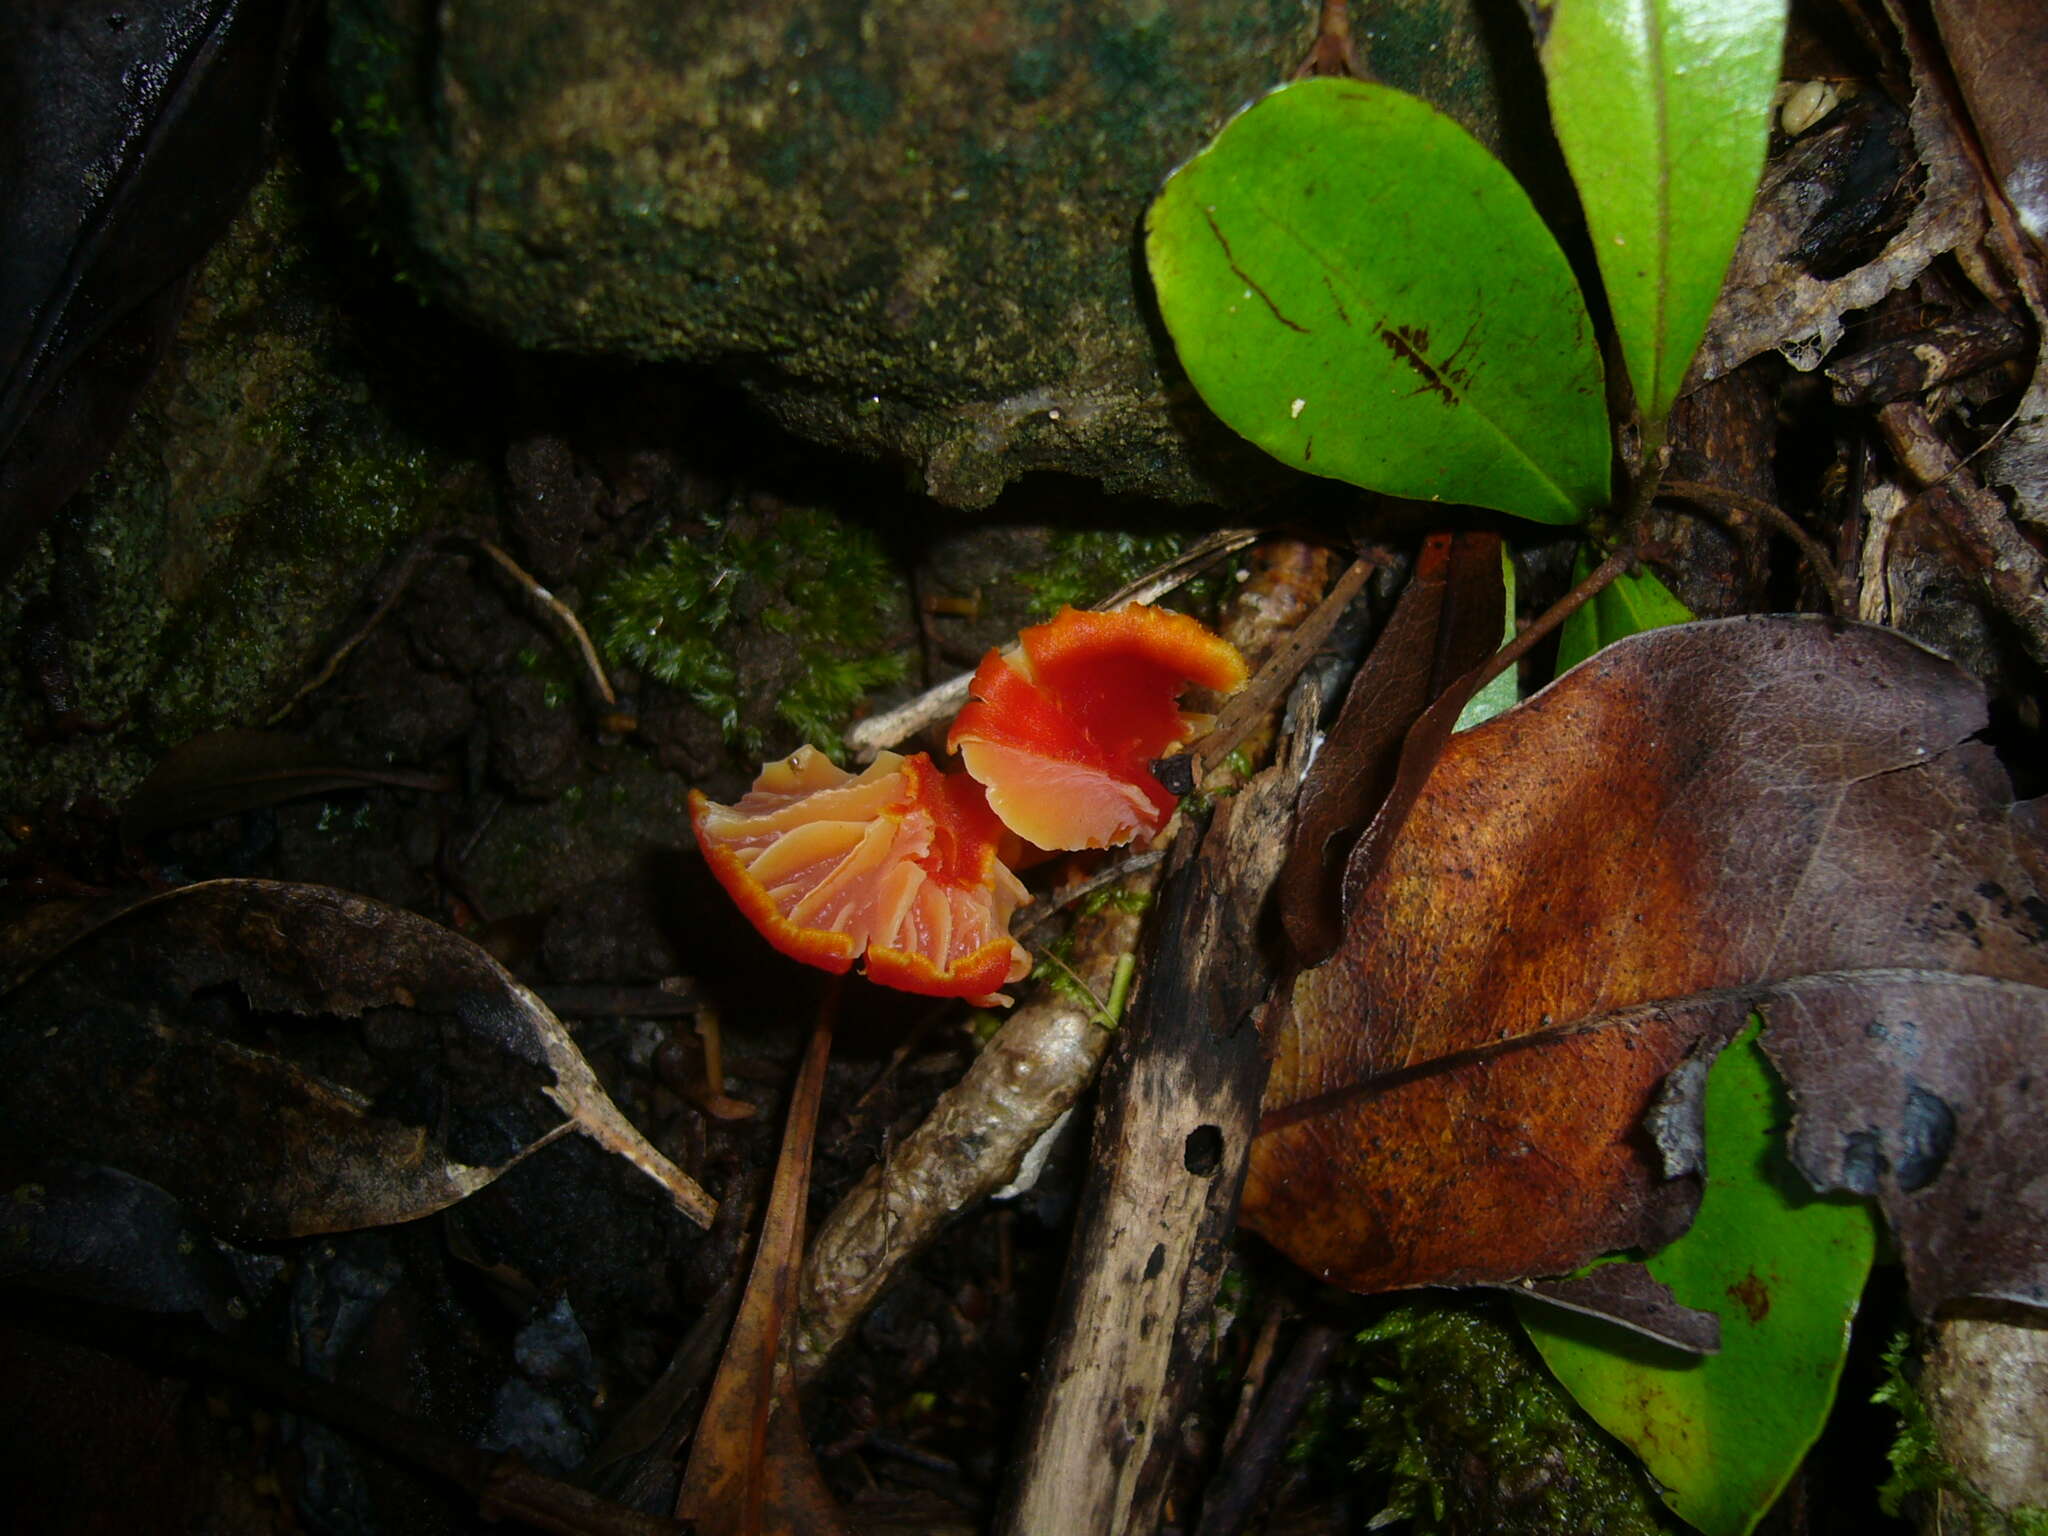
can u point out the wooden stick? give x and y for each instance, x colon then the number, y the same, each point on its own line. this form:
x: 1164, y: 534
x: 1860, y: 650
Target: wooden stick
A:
x: 1180, y: 1102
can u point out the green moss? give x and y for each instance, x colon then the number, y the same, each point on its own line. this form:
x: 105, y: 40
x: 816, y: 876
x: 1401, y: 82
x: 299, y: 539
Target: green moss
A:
x: 257, y: 489
x: 1469, y: 1433
x: 1084, y: 568
x: 827, y: 586
x: 1116, y: 898
x: 1919, y: 1471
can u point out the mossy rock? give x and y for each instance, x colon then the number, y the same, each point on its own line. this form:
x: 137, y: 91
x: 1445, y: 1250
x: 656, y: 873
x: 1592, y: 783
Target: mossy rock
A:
x: 908, y: 229
x: 196, y: 578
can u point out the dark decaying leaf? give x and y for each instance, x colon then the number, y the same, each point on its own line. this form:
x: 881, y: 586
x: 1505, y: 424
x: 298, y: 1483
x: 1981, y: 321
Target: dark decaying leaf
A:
x: 1769, y: 813
x: 1447, y: 621
x: 223, y: 772
x: 287, y: 1059
x: 1805, y: 259
x: 1630, y: 1296
x: 130, y: 135
x: 1999, y: 51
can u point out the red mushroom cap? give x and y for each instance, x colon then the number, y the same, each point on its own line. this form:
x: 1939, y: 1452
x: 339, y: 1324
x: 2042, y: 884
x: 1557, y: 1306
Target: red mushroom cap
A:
x: 897, y: 863
x: 1063, y: 731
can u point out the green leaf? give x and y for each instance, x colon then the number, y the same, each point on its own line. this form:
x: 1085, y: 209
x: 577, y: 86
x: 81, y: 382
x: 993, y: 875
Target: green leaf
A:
x: 1503, y: 692
x: 1783, y: 1269
x: 1663, y: 109
x: 1357, y: 286
x: 1633, y: 602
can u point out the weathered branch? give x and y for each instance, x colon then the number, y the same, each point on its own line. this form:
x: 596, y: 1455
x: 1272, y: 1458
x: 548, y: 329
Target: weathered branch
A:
x: 969, y: 1146
x: 1180, y: 1104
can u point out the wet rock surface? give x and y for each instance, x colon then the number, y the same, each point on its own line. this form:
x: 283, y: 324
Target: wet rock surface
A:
x: 909, y: 229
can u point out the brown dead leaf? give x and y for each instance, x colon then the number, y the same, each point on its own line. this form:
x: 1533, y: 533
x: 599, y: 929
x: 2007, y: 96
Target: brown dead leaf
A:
x: 1770, y: 813
x: 1447, y: 621
x: 199, y: 1040
x: 751, y: 1472
x: 1772, y: 300
x: 1999, y: 52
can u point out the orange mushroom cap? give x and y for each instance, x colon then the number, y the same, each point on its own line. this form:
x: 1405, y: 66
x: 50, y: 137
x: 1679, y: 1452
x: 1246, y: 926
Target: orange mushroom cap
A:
x: 1063, y: 730
x: 897, y: 863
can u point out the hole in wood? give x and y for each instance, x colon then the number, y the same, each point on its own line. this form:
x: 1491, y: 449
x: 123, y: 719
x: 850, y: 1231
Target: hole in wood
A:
x: 1203, y: 1154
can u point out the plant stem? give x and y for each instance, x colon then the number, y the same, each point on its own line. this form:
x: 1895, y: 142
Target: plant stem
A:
x: 1817, y: 559
x: 1601, y: 576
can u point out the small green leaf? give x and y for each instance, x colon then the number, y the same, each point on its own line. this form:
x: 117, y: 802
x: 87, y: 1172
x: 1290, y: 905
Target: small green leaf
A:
x: 1783, y: 1269
x: 1357, y: 286
x: 1663, y: 109
x: 1633, y: 602
x: 1503, y: 692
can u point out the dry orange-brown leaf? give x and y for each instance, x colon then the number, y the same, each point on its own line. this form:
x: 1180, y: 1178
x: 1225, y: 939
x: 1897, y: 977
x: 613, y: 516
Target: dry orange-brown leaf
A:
x: 1782, y: 814
x: 751, y: 1472
x: 1447, y: 622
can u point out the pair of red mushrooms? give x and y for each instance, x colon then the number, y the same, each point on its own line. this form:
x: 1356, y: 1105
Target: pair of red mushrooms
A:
x: 911, y: 866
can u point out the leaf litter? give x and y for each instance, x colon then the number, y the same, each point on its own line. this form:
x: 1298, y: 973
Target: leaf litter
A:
x: 289, y: 1059
x: 1772, y: 813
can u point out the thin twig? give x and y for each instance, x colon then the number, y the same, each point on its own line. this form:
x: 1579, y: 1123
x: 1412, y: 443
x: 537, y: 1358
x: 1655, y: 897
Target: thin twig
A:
x: 1254, y: 1384
x: 1112, y: 875
x: 552, y: 608
x: 1229, y: 1505
x: 1717, y: 498
x: 877, y: 733
x: 558, y: 613
x: 1183, y: 567
x: 395, y: 587
x: 1258, y: 698
x: 728, y: 1483
x: 1602, y: 576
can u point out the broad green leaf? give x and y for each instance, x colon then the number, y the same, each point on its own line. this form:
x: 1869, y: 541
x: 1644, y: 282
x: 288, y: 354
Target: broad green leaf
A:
x: 1783, y: 1269
x: 1633, y: 602
x: 1502, y: 693
x: 1663, y: 109
x: 1357, y: 286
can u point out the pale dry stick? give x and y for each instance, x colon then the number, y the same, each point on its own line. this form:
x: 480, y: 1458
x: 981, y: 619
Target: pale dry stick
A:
x: 1885, y: 506
x: 969, y: 1146
x: 552, y: 608
x: 557, y: 613
x: 942, y: 701
x: 880, y: 733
